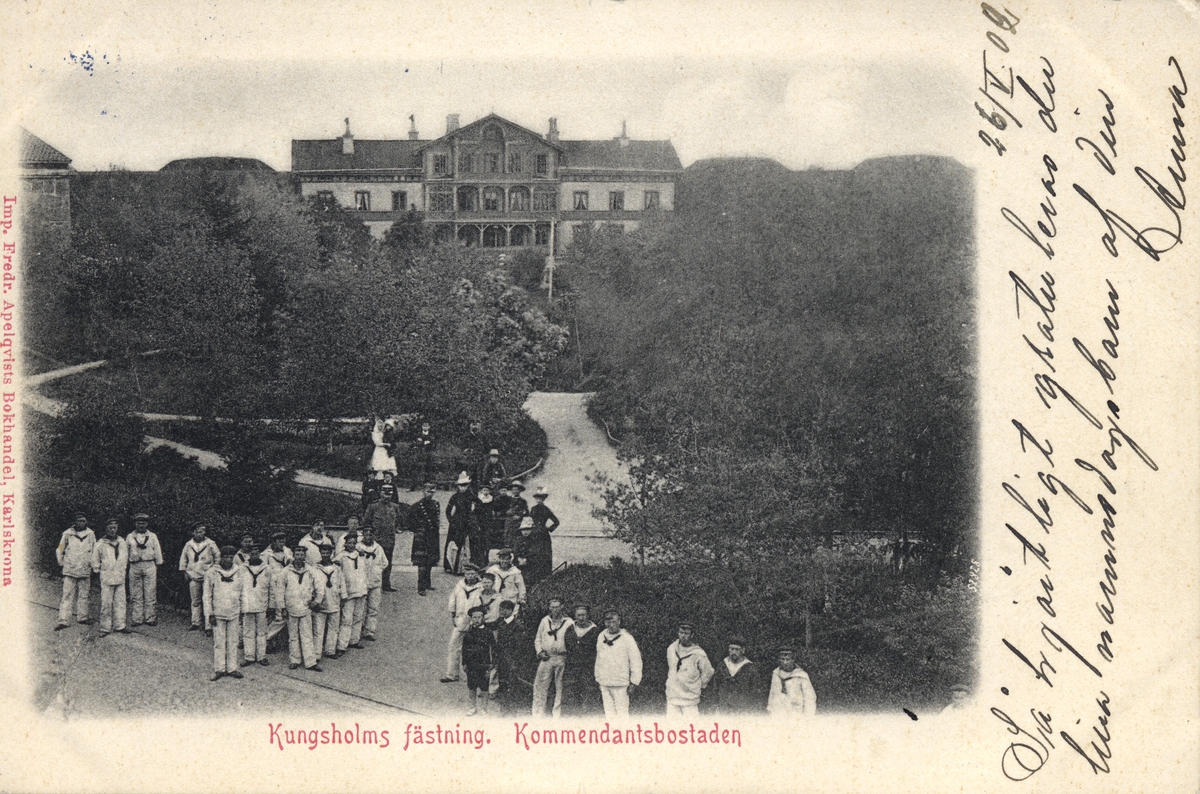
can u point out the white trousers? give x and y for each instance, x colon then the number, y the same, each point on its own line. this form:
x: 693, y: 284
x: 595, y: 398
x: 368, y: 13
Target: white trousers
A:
x: 225, y: 645
x: 77, y: 593
x: 550, y: 670
x: 326, y: 626
x: 300, y: 640
x: 143, y: 591
x: 196, y: 590
x: 254, y: 635
x: 454, y: 668
x: 112, y: 607
x: 683, y: 711
x: 616, y: 701
x: 350, y: 632
x: 374, y: 600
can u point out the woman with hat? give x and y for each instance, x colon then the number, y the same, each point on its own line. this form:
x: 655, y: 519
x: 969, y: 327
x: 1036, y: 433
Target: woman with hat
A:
x: 460, y: 512
x: 540, y: 552
x: 515, y: 509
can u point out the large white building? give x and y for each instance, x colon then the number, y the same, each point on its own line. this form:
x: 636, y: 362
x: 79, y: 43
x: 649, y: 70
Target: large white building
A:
x: 492, y: 183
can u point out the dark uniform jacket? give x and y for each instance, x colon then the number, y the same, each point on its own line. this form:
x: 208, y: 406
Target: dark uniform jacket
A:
x: 745, y: 693
x: 424, y: 521
x: 479, y: 648
x: 460, y: 513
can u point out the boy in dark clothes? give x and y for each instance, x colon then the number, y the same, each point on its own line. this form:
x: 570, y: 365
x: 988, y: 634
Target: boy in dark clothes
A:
x: 479, y: 657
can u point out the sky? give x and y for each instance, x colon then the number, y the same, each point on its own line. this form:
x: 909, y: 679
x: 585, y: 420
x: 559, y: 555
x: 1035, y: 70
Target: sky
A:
x: 807, y: 84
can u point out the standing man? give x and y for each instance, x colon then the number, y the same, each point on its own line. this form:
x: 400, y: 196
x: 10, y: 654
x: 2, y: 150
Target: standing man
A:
x: 387, y: 518
x: 618, y: 666
x: 463, y: 596
x: 296, y: 589
x: 739, y: 687
x: 492, y: 472
x: 110, y: 559
x: 550, y: 643
x: 74, y: 555
x: 375, y: 562
x: 145, y: 555
x: 353, y: 527
x: 199, y: 554
x: 424, y: 519
x: 688, y: 672
x: 792, y: 693
x: 424, y: 448
x: 327, y: 618
x: 257, y: 582
x: 278, y: 556
x: 460, y: 513
x: 354, y: 609
x: 580, y: 695
x: 223, y: 605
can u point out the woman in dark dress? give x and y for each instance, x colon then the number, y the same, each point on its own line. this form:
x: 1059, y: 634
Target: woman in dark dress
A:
x: 541, y: 551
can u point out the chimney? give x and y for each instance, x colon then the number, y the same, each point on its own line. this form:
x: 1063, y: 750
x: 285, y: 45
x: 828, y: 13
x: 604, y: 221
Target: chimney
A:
x: 413, y: 135
x: 552, y: 135
x: 451, y: 123
x: 622, y: 141
x: 348, y: 140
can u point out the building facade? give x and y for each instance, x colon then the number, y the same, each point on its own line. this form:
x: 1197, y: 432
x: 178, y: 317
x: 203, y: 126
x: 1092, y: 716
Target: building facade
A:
x: 45, y: 202
x: 492, y: 183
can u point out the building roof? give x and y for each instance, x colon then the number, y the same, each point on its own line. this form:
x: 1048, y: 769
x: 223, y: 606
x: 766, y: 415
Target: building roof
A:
x: 326, y: 155
x: 36, y: 153
x: 610, y: 155
x: 494, y: 119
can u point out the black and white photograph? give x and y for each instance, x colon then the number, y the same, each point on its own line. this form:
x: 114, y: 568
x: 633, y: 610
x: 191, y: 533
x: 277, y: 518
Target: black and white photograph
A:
x: 574, y: 384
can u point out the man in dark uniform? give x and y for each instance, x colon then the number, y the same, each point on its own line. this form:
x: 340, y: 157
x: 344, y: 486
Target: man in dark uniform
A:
x: 513, y: 645
x: 424, y: 521
x: 581, y: 695
x: 481, y: 525
x: 740, y: 688
x: 460, y: 515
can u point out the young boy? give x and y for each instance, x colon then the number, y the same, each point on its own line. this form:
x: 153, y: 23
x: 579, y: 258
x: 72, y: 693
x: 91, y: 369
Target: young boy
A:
x: 110, y: 559
x: 145, y: 555
x: 278, y: 556
x: 792, y: 693
x: 296, y: 596
x: 510, y: 584
x: 489, y: 597
x: 74, y: 555
x: 479, y: 657
x: 223, y: 605
x: 199, y: 554
x: 327, y: 619
x: 377, y: 561
x: 354, y: 577
x: 688, y: 673
x: 257, y: 582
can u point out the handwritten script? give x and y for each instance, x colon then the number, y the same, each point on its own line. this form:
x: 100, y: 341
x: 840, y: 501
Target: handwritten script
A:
x: 1077, y: 434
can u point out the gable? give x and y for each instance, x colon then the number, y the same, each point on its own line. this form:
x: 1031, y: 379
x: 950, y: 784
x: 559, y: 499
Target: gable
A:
x: 491, y: 129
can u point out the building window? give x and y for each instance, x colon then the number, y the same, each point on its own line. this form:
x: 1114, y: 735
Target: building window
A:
x: 493, y: 162
x: 468, y: 199
x: 514, y: 162
x: 466, y: 163
x: 544, y: 201
x: 541, y: 234
x: 518, y: 199
x: 652, y: 200
x: 362, y: 200
x: 441, y: 202
x: 440, y: 164
x: 616, y: 200
x: 541, y: 165
x: 399, y: 201
x: 493, y: 199
x: 581, y: 200
x: 325, y: 196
